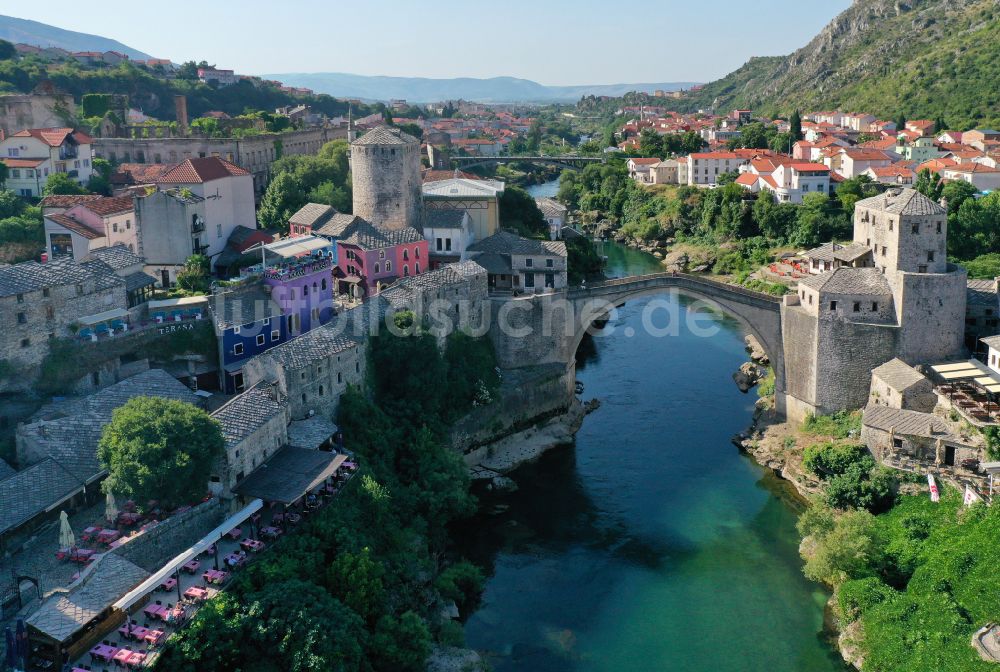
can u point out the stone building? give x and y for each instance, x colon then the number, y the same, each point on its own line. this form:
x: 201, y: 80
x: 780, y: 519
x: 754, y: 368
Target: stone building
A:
x: 255, y: 426
x: 39, y: 302
x: 842, y: 324
x: 311, y: 371
x: 385, y: 176
x: 521, y: 264
x: 102, y: 222
x: 892, y: 433
x: 255, y: 153
x: 898, y: 385
x: 34, y: 110
x: 479, y: 198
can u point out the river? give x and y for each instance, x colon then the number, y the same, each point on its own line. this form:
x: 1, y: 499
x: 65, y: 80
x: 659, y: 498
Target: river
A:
x: 651, y: 543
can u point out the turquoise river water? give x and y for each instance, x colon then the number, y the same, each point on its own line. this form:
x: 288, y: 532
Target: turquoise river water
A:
x: 652, y: 543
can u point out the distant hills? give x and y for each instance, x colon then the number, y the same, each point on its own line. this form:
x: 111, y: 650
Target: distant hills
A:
x: 43, y: 35
x: 918, y: 58
x: 424, y: 90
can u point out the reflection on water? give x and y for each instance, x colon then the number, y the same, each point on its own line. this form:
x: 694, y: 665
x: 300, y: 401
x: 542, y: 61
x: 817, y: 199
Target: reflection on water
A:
x: 652, y: 543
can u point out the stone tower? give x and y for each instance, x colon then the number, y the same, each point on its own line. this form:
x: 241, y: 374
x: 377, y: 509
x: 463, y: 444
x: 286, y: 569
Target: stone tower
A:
x: 385, y: 174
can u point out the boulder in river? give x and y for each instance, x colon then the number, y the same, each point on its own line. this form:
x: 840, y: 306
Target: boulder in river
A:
x: 756, y: 350
x: 748, y: 375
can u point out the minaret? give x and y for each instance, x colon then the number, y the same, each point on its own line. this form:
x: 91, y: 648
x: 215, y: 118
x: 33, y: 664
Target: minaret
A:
x: 350, y: 123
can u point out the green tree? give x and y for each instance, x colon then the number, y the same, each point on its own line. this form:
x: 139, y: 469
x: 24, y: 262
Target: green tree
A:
x: 901, y: 123
x: 851, y: 550
x: 100, y: 180
x: 929, y: 184
x: 160, y: 449
x: 11, y: 204
x: 187, y: 70
x: 7, y: 51
x: 520, y: 213
x: 195, y: 276
x: 401, y: 644
x: 356, y: 580
x: 984, y: 267
x: 281, y: 200
x: 4, y: 174
x: 795, y: 125
x: 61, y: 183
x: 940, y: 126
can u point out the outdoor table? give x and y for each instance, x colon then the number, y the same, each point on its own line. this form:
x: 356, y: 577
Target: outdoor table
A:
x: 103, y: 652
x: 252, y: 545
x: 136, y: 659
x: 271, y: 532
x: 196, y: 593
x: 351, y: 465
x: 122, y: 656
x: 191, y: 566
x: 155, y: 611
x: 82, y: 555
x: 175, y: 615
x: 128, y: 518
x: 133, y: 632
x: 108, y: 536
x: 155, y: 637
x: 234, y: 533
x: 234, y: 559
x: 90, y: 532
x: 293, y: 518
x: 168, y: 584
x: 214, y: 576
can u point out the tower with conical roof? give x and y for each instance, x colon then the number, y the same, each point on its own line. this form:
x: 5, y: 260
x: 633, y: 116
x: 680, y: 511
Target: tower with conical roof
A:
x: 385, y: 177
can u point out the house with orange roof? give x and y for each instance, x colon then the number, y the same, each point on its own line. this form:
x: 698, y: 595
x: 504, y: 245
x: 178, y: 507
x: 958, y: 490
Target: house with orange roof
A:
x: 90, y: 224
x: 921, y: 126
x: 852, y: 161
x: 704, y: 168
x: 32, y: 155
x: 950, y: 136
x: 638, y: 169
x: 918, y: 149
x: 936, y: 165
x: 788, y: 180
x: 983, y: 178
x: 896, y: 174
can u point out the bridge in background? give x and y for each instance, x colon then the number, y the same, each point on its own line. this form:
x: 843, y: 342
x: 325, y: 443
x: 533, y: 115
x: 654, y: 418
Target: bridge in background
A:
x: 569, y: 161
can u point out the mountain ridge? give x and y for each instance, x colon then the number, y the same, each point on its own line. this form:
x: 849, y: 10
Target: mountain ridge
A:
x: 44, y: 35
x: 428, y: 89
x: 918, y: 58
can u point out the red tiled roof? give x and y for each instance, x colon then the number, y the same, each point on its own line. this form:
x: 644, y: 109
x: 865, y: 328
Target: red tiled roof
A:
x: 67, y: 200
x: 196, y: 171
x: 141, y: 173
x: 747, y: 179
x: 107, y: 206
x: 892, y: 171
x: 644, y: 162
x: 972, y: 168
x: 76, y: 227
x: 53, y: 137
x: 431, y: 175
x: 21, y: 163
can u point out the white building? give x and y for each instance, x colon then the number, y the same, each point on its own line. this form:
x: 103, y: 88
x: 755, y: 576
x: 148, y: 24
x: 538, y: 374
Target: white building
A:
x: 34, y: 154
x: 704, y: 168
x: 786, y: 179
x: 449, y: 234
x: 981, y: 176
x: 554, y: 213
x: 220, y: 77
x: 103, y: 222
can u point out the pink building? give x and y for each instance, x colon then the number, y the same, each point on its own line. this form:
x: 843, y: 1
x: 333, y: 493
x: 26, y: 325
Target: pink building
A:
x: 371, y: 257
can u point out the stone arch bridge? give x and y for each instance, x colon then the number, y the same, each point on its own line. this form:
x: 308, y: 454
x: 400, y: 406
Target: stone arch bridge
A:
x: 559, y: 321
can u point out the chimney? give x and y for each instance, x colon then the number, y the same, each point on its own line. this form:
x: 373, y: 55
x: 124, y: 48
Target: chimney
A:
x: 181, y: 108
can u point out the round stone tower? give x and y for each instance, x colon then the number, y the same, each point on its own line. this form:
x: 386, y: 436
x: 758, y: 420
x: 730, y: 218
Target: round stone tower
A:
x: 385, y: 176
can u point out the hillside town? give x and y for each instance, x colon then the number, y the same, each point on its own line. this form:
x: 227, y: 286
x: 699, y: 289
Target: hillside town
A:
x: 297, y: 378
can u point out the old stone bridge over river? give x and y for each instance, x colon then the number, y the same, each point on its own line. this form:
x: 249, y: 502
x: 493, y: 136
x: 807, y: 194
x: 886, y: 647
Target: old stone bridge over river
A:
x: 651, y: 543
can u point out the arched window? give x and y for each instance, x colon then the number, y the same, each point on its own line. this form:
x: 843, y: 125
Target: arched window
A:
x: 417, y: 268
x: 416, y: 253
x: 406, y: 270
x: 376, y: 267
x: 388, y: 266
x: 323, y: 284
x: 406, y: 254
x: 305, y: 290
x: 315, y: 288
x: 321, y: 390
x: 303, y: 398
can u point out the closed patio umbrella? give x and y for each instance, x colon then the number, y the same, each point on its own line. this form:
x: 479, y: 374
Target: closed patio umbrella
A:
x: 11, y: 647
x: 110, y: 507
x: 66, y: 538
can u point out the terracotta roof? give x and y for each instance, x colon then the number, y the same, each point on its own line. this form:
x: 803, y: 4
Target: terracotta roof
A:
x: 22, y: 163
x: 67, y: 201
x: 54, y: 137
x: 438, y: 175
x: 112, y: 205
x: 141, y: 173
x: 644, y: 162
x: 75, y: 226
x: 747, y: 179
x: 197, y: 171
x: 971, y: 168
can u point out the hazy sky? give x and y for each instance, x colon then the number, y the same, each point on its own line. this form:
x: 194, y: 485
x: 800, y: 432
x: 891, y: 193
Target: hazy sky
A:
x: 554, y: 42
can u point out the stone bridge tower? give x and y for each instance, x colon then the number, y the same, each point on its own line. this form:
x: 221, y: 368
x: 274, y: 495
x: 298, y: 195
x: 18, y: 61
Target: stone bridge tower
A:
x: 385, y: 175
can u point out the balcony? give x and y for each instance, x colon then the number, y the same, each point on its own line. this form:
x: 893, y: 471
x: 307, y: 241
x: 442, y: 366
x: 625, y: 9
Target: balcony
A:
x: 198, y: 227
x: 291, y: 269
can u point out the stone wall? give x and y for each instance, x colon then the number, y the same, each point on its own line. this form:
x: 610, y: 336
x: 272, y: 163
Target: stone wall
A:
x: 917, y: 397
x: 800, y: 338
x: 846, y: 353
x: 932, y: 315
x: 525, y: 396
x: 154, y: 546
x: 32, y: 110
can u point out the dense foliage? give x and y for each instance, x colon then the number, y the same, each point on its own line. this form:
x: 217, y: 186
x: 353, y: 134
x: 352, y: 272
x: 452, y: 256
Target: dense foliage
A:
x: 300, y: 179
x: 158, y: 449
x: 359, y: 586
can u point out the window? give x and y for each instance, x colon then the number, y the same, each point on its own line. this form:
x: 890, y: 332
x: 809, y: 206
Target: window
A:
x: 323, y: 285
x: 921, y: 269
x: 810, y: 299
x: 874, y: 306
x: 939, y: 227
x: 883, y: 250
x: 114, y: 227
x: 388, y: 266
x: 340, y: 377
x: 529, y: 280
x: 20, y: 298
x: 529, y: 262
x: 377, y: 268
x: 447, y: 244
x: 406, y: 270
x: 890, y: 225
x: 833, y: 305
x: 22, y: 318
x: 416, y: 251
x: 260, y: 339
x: 549, y: 263
x: 381, y: 254
x: 930, y: 255
x: 416, y: 268
x: 915, y: 228
x: 128, y: 224
x: 897, y: 443
x: 25, y: 342
x: 439, y: 245
x: 275, y: 335
x: 857, y: 306
x: 406, y: 254
x: 321, y: 390
x: 236, y: 330
x: 238, y: 349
